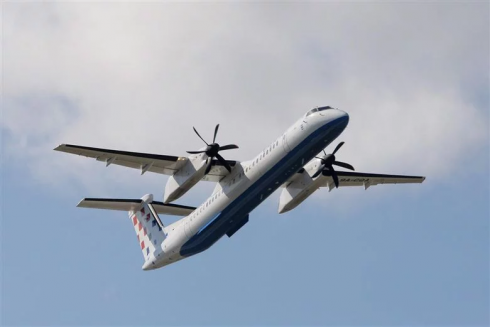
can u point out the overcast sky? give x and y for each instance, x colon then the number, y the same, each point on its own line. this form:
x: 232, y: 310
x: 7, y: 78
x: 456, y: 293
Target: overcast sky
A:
x: 414, y: 78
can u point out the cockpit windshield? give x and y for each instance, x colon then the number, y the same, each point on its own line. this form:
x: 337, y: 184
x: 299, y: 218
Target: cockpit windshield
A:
x: 312, y: 111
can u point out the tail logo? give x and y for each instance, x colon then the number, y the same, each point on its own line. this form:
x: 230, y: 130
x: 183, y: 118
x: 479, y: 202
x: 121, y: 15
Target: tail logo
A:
x: 148, y: 230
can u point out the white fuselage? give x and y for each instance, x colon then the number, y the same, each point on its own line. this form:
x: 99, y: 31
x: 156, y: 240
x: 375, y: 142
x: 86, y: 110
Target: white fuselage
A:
x: 249, y: 184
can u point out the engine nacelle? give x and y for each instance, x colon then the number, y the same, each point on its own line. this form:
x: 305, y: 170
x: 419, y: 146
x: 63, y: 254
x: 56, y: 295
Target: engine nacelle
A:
x: 185, y: 178
x: 296, y: 192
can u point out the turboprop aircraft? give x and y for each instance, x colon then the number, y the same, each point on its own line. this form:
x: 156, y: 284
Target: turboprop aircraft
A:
x: 295, y: 161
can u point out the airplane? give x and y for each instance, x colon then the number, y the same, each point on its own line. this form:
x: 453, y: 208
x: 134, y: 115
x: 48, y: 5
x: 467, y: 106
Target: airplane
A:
x: 296, y: 162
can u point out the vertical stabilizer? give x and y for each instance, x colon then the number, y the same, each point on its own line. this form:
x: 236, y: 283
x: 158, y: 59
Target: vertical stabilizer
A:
x: 148, y: 227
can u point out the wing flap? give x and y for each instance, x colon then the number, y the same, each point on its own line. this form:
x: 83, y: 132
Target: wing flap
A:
x: 347, y: 178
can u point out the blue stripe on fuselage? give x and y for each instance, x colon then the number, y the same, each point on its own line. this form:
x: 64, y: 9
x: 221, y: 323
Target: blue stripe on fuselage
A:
x: 251, y: 197
x: 209, y: 223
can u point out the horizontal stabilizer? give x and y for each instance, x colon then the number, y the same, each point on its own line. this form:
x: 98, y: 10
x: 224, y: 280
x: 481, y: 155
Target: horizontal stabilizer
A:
x: 134, y: 204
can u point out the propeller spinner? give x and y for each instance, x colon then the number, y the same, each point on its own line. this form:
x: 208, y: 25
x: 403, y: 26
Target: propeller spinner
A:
x: 327, y: 163
x: 212, y: 151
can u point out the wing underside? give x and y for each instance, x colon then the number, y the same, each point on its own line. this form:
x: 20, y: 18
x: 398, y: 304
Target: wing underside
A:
x: 347, y: 178
x: 155, y: 163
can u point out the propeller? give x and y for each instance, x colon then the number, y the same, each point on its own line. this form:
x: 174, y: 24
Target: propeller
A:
x: 212, y: 151
x: 327, y: 163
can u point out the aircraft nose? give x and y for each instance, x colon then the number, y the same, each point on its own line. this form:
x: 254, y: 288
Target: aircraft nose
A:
x: 343, y: 116
x: 337, y: 115
x: 343, y: 119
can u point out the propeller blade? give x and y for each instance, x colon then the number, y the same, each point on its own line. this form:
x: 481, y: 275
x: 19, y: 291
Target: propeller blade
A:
x: 223, y: 162
x: 324, y: 152
x: 195, y: 130
x: 335, y: 177
x: 228, y: 147
x: 319, y: 158
x: 343, y: 164
x: 338, y: 147
x: 215, y: 132
x: 208, y: 167
x: 195, y: 152
x: 318, y: 172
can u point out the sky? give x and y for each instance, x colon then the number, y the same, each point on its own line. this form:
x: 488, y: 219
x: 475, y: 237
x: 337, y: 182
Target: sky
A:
x: 414, y: 78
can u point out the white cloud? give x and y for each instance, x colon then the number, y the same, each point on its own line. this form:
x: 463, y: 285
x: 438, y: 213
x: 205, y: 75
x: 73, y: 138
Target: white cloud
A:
x: 139, y: 76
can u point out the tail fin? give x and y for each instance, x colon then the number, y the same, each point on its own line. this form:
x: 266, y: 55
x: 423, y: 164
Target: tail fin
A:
x: 148, y: 227
x: 145, y: 220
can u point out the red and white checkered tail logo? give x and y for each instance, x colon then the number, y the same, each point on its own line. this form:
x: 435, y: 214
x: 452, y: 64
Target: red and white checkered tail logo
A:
x: 148, y: 228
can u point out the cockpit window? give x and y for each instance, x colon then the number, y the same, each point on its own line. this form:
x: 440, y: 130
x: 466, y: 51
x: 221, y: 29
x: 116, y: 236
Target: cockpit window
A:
x: 312, y: 111
x: 324, y: 108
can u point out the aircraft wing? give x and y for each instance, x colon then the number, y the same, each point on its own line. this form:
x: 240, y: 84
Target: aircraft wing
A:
x: 218, y: 171
x: 156, y: 163
x: 348, y: 178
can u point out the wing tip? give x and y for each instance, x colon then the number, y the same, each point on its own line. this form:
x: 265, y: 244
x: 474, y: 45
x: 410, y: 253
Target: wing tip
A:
x: 81, y: 203
x: 59, y: 147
